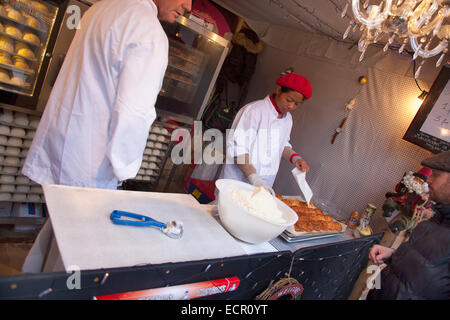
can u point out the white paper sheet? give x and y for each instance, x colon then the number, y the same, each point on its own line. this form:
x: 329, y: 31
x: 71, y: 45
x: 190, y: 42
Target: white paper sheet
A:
x: 87, y: 238
x: 300, y: 178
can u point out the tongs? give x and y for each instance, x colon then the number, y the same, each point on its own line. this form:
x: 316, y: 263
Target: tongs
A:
x: 172, y: 229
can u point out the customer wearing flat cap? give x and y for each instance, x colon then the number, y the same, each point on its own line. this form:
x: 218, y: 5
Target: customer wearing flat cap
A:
x: 420, y: 267
x: 260, y: 134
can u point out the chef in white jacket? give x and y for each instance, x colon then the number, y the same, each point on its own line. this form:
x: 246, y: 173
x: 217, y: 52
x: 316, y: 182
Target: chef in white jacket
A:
x: 260, y: 134
x: 95, y: 125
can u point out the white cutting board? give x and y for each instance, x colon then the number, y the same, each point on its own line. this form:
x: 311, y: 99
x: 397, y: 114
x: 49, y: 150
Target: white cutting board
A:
x: 87, y: 238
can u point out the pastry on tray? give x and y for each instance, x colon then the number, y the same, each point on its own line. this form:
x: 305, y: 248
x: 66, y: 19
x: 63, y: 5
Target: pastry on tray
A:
x: 13, y: 31
x: 4, y: 75
x: 23, y: 50
x: 6, y: 44
x: 31, y: 21
x: 13, y: 14
x: 40, y: 7
x: 310, y: 218
x: 31, y: 37
x: 5, y: 58
x: 20, y: 62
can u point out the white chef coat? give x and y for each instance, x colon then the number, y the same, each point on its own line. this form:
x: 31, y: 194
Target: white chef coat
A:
x: 259, y: 133
x: 95, y: 125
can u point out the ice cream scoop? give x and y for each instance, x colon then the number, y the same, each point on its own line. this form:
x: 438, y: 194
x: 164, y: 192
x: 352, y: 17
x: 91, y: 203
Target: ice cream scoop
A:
x: 173, y: 229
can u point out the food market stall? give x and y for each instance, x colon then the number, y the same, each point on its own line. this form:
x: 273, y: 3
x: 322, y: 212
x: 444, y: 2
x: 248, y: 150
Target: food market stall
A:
x: 351, y: 166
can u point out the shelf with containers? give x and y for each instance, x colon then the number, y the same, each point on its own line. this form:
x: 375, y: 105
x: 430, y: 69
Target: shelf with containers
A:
x: 155, y: 154
x: 16, y: 133
x: 25, y: 27
x: 154, y: 170
x: 22, y: 203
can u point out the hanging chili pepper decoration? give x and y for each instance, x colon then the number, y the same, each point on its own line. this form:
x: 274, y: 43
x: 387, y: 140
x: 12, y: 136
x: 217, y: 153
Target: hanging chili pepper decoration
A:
x: 338, y: 130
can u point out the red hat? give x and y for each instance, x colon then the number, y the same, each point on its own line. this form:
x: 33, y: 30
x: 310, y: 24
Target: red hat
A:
x: 423, y: 173
x: 296, y: 82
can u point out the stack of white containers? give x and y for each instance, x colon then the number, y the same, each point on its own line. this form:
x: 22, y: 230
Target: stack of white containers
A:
x: 154, y: 154
x: 16, y: 134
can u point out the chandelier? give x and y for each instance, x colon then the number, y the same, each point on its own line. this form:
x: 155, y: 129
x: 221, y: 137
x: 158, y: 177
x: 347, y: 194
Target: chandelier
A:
x: 422, y: 23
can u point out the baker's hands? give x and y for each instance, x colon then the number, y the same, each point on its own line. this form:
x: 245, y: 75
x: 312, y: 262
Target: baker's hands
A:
x: 293, y: 157
x: 256, y: 180
x: 302, y: 165
x: 379, y: 253
x: 298, y: 161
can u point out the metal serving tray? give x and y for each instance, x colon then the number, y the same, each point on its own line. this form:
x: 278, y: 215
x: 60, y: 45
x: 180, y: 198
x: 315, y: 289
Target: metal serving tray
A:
x: 290, y: 238
x: 290, y: 235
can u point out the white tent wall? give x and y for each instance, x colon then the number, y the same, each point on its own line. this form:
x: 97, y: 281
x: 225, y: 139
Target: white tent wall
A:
x: 369, y: 156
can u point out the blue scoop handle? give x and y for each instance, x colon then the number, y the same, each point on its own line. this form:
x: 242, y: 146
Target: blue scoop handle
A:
x: 140, y: 220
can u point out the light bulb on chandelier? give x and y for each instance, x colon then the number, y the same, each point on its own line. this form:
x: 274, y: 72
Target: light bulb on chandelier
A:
x: 419, y: 22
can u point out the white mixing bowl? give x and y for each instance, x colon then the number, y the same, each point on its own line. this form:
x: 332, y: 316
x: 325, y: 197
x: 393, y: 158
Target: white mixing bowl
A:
x: 245, y: 225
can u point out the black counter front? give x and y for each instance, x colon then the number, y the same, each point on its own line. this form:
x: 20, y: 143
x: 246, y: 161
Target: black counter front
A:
x: 325, y: 271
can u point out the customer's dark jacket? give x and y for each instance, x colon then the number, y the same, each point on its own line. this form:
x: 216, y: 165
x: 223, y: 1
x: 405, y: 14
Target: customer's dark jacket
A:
x: 419, y: 269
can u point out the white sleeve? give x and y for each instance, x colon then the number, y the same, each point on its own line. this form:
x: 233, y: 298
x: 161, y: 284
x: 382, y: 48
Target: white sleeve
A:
x: 288, y: 144
x: 289, y: 130
x: 245, y: 132
x: 133, y: 113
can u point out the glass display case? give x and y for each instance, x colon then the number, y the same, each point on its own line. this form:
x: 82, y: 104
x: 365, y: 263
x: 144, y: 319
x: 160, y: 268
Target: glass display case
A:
x: 183, y: 73
x: 25, y: 28
x: 196, y: 56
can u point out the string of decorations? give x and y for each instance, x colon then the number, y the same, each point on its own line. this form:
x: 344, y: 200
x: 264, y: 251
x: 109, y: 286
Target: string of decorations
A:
x: 276, y: 287
x: 339, y: 9
x: 322, y: 22
x: 309, y: 25
x: 273, y: 288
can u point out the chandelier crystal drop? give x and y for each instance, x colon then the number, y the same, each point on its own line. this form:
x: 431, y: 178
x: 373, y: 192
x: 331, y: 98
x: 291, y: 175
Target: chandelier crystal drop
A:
x: 422, y: 23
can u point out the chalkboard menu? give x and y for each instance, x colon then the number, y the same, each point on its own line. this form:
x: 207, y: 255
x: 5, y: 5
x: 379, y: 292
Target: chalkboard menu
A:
x: 430, y: 127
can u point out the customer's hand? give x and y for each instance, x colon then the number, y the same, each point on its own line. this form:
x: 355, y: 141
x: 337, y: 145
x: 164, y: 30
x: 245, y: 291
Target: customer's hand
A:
x: 379, y: 253
x: 258, y: 182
